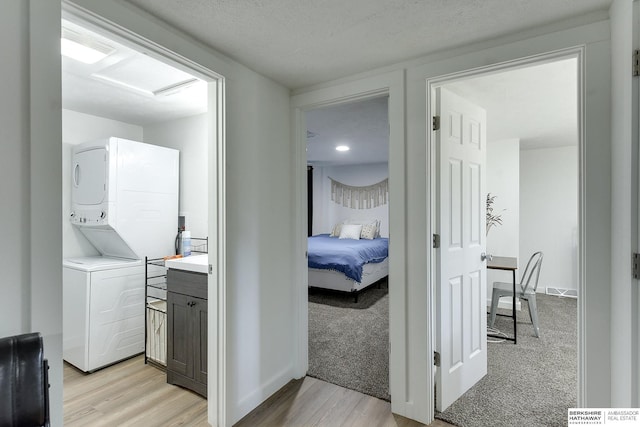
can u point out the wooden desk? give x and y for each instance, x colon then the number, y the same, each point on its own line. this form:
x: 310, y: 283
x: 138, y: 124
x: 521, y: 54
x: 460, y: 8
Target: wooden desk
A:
x: 507, y: 264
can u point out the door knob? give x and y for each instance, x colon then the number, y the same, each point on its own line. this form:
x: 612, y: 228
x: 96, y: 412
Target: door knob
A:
x: 486, y: 257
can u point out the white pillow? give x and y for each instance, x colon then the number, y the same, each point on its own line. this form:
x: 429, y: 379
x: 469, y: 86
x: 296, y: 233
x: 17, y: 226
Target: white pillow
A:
x: 351, y: 231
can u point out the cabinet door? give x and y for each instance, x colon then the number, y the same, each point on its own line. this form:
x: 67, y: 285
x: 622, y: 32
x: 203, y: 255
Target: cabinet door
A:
x: 179, y: 334
x: 200, y: 344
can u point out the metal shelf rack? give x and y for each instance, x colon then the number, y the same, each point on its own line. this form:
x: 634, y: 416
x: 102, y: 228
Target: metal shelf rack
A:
x: 155, y: 293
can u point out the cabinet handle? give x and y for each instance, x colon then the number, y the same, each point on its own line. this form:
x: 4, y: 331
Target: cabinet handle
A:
x: 191, y: 303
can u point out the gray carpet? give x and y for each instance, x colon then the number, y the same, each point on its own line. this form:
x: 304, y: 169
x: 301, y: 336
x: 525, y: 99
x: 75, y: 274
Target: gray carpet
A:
x: 532, y: 383
x: 349, y: 342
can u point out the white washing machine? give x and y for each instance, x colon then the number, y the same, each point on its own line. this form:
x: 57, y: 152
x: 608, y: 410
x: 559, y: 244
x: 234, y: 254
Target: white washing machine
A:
x: 103, y: 318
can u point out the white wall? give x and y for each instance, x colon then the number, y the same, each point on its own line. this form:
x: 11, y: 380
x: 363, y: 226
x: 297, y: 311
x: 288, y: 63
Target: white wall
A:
x: 189, y: 135
x: 259, y: 247
x: 80, y: 127
x: 76, y: 129
x: 30, y: 171
x: 327, y: 213
x: 14, y: 168
x: 549, y: 213
x: 503, y: 182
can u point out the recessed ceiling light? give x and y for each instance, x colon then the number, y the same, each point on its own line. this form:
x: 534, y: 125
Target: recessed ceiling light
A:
x: 342, y: 148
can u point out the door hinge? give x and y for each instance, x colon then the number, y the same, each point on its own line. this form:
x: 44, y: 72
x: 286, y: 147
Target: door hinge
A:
x: 436, y: 241
x: 436, y: 358
x: 636, y: 266
x: 210, y: 269
x: 435, y: 123
x: 636, y: 63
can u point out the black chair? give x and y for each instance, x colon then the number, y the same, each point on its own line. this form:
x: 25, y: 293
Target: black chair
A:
x: 24, y: 382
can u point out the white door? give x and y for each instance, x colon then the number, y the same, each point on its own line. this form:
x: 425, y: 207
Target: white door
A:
x: 461, y: 321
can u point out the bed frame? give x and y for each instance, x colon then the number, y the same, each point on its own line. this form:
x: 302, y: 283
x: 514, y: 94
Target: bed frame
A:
x: 337, y: 281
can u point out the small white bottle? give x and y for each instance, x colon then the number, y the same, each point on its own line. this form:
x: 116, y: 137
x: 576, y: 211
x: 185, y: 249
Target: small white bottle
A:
x: 186, y: 243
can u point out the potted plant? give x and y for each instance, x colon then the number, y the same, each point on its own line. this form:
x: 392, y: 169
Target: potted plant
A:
x: 493, y: 220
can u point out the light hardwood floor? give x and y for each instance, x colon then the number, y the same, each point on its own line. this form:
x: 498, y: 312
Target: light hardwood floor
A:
x: 129, y: 393
x: 134, y: 394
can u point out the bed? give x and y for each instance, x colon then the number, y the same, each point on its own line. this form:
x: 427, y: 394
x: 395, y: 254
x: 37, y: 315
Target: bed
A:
x: 347, y: 265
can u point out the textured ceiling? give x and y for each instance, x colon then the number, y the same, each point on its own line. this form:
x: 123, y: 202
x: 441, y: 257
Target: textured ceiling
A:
x: 538, y: 104
x: 363, y: 126
x: 300, y: 43
x: 94, y: 88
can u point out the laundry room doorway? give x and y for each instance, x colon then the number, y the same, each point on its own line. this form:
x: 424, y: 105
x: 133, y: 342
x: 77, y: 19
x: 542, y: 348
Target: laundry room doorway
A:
x: 136, y: 90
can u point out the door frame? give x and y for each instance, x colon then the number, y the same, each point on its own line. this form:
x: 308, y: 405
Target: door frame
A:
x: 391, y: 84
x: 216, y: 119
x: 577, y: 53
x: 635, y: 137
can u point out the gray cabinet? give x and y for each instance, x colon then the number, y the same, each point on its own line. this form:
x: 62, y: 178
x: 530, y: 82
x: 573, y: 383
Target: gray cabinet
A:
x: 187, y: 330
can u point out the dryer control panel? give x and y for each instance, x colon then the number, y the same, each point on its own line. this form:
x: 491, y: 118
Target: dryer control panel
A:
x: 96, y: 215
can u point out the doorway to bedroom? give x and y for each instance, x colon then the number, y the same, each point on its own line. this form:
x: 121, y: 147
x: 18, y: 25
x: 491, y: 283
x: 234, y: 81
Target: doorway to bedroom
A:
x: 347, y: 147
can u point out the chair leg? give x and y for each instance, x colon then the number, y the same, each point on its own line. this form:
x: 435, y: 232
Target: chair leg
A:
x: 495, y: 299
x: 533, y: 314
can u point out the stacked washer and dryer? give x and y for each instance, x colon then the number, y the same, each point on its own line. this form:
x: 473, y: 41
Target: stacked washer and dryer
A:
x: 124, y: 199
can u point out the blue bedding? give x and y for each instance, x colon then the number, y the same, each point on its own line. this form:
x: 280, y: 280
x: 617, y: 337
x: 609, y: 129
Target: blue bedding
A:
x: 346, y: 255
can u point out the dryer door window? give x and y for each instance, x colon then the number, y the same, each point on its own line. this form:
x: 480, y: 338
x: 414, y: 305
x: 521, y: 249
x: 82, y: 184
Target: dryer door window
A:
x: 89, y: 174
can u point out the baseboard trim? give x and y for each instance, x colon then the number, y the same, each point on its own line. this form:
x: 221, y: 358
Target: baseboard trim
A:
x: 262, y: 393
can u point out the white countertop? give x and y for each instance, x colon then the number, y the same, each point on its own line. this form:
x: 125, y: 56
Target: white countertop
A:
x: 195, y: 263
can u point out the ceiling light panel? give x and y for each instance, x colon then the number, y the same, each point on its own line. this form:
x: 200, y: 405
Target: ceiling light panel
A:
x: 83, y: 47
x: 146, y: 75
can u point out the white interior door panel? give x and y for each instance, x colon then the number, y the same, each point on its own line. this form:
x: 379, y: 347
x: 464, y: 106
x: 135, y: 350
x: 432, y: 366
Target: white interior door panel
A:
x: 461, y: 321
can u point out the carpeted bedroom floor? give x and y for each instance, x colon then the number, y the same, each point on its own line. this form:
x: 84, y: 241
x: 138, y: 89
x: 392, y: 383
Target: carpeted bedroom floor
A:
x: 532, y: 383
x: 349, y: 342
x: 528, y: 384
